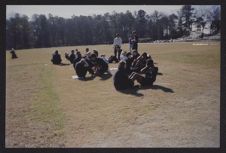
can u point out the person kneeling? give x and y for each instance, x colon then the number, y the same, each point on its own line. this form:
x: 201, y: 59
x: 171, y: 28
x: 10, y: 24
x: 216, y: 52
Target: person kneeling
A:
x: 150, y: 72
x: 121, y: 79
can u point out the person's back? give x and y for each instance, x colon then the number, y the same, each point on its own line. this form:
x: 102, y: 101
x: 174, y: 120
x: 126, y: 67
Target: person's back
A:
x: 80, y: 69
x: 72, y: 57
x: 101, y: 62
x: 56, y: 58
x: 121, y: 79
x: 150, y: 73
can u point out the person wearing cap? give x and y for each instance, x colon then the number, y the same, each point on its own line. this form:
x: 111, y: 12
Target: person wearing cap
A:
x: 117, y: 46
x: 134, y: 41
x: 56, y: 58
x: 13, y: 53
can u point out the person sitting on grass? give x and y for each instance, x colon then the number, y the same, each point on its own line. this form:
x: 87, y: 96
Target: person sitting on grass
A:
x: 135, y: 54
x: 96, y: 52
x: 13, y: 53
x: 101, y: 66
x: 71, y: 57
x: 123, y: 56
x: 81, y: 69
x: 129, y: 61
x: 56, y: 58
x: 112, y: 59
x: 77, y: 58
x: 150, y: 72
x: 139, y: 62
x: 121, y: 79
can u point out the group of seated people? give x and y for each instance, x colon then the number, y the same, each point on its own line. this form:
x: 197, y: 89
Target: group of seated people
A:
x: 135, y: 67
x: 132, y: 66
x: 89, y: 62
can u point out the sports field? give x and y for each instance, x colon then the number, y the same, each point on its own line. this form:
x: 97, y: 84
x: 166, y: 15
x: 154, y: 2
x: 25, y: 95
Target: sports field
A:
x: 45, y: 107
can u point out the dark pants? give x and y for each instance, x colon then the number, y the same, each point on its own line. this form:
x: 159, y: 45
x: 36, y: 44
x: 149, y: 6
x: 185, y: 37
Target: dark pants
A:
x: 117, y: 51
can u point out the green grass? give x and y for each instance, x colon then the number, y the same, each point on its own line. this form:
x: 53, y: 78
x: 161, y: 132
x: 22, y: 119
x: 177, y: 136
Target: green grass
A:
x: 46, y: 107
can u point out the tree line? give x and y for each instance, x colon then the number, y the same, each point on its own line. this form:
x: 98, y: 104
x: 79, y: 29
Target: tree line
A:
x: 49, y: 31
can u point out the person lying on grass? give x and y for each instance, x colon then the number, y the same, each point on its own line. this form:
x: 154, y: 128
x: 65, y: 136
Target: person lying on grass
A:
x: 149, y: 71
x: 56, y: 58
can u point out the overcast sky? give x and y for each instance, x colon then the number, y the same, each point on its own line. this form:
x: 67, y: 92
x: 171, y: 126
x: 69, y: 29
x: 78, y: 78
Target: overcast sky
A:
x: 67, y: 11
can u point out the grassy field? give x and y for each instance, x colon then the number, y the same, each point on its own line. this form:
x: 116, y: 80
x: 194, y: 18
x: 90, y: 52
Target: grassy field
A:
x: 45, y: 107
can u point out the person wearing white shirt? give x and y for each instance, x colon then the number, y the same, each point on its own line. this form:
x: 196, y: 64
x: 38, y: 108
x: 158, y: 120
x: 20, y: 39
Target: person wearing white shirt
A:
x: 117, y: 46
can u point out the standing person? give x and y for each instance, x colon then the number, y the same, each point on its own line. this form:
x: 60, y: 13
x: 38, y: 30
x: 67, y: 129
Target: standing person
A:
x: 13, y: 53
x: 117, y: 46
x: 130, y: 43
x: 134, y: 41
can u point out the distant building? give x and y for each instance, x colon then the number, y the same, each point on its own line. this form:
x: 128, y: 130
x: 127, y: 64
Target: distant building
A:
x: 197, y: 27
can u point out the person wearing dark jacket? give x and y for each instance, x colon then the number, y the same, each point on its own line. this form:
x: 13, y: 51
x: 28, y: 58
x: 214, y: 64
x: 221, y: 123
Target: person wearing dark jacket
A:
x: 101, y: 66
x: 13, y: 53
x: 56, y: 58
x: 134, y: 40
x: 77, y: 58
x: 150, y: 73
x: 82, y: 67
x: 121, y: 79
x: 71, y: 57
x: 139, y: 62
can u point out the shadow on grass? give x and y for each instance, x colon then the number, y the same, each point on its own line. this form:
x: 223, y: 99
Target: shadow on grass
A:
x: 156, y: 87
x: 64, y: 64
x: 134, y: 91
x: 105, y: 76
x: 89, y: 78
